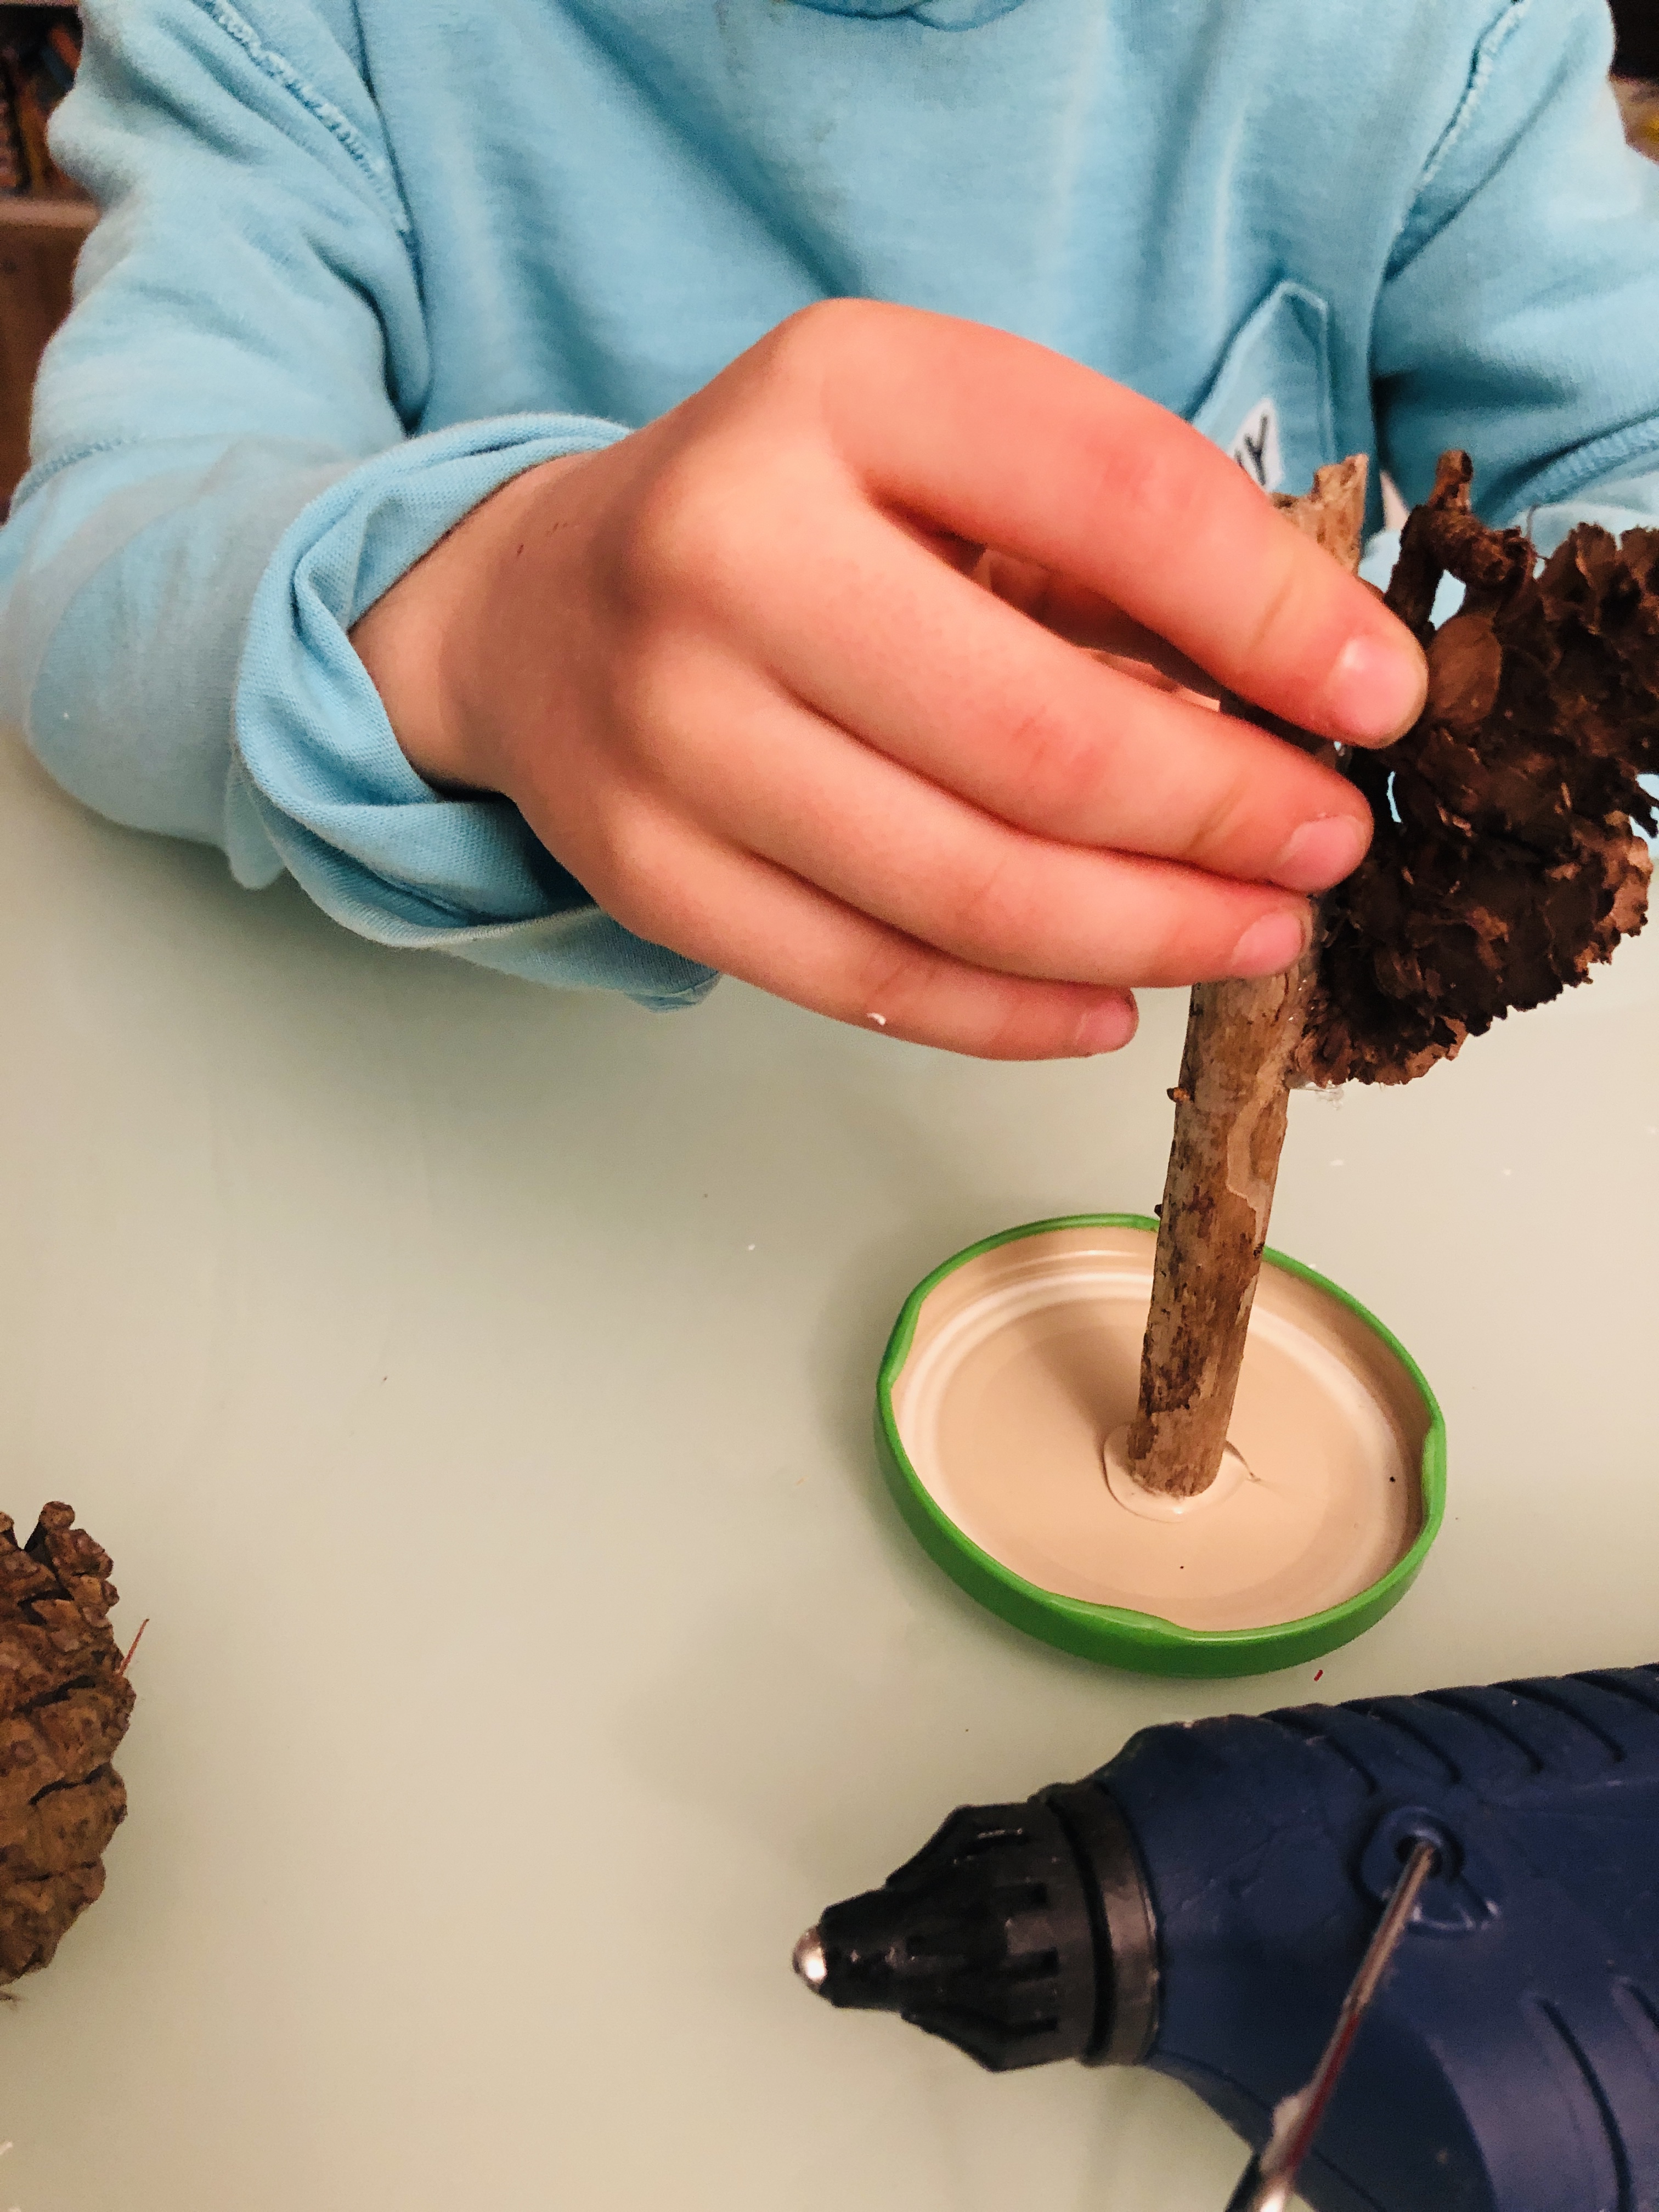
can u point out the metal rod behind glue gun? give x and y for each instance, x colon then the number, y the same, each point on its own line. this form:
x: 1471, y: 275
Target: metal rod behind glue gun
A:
x: 1270, y: 2178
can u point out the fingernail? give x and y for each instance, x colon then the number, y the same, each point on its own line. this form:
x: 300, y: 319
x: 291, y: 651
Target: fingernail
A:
x: 1269, y: 945
x: 1320, y: 853
x: 1107, y: 1027
x: 1377, y: 688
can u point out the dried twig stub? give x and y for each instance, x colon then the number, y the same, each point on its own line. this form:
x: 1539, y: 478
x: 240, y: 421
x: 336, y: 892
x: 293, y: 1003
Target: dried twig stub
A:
x: 1231, y: 1105
x: 64, y: 1703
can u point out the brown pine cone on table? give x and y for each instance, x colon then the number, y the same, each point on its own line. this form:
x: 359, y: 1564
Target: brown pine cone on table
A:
x: 64, y: 1703
x: 1507, y: 859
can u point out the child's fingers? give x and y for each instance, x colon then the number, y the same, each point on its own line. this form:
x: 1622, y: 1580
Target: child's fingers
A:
x: 800, y: 793
x: 754, y: 921
x: 1062, y: 604
x: 932, y: 670
x: 1081, y: 617
x: 1004, y: 443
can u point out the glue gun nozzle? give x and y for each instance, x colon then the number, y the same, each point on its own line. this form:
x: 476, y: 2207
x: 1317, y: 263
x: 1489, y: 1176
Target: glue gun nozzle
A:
x: 809, y: 1962
x: 984, y: 1937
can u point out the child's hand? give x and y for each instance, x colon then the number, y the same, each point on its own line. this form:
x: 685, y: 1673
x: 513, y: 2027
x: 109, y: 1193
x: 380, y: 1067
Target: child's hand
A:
x: 742, y: 674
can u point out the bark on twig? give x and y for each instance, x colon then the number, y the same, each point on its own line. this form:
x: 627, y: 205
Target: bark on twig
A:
x: 1230, y: 1106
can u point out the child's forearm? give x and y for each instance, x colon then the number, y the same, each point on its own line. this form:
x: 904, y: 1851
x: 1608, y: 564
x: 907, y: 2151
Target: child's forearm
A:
x: 225, y: 480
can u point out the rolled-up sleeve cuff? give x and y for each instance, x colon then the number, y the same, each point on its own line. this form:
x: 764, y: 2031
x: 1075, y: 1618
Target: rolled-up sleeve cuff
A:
x: 320, y: 787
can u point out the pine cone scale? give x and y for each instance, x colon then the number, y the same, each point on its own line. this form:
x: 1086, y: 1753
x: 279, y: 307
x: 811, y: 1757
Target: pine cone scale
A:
x: 1507, y: 859
x: 64, y: 1705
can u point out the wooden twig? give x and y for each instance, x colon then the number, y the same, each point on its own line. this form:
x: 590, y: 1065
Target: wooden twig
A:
x: 1230, y: 1107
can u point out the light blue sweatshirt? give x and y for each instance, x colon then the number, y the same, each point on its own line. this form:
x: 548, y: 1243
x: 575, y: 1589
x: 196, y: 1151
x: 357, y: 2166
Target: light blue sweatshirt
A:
x: 362, y: 261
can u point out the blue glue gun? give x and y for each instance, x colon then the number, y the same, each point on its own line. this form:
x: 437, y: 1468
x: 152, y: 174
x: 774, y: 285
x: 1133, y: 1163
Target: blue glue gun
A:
x: 1201, y: 1905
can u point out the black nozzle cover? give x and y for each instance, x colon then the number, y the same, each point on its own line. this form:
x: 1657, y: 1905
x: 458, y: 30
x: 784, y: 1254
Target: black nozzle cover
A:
x: 995, y: 1935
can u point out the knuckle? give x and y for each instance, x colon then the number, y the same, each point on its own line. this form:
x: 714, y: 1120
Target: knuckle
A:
x: 627, y: 866
x: 642, y: 710
x: 1274, y: 611
x: 1162, y: 487
x: 673, y: 539
x: 666, y: 531
x: 1194, y: 942
x: 897, y: 978
x: 926, y: 994
x: 1011, y: 1031
x: 985, y: 911
x: 655, y: 687
x: 816, y: 369
x: 819, y: 329
x: 1221, y: 831
x: 1177, y: 943
x: 1060, y: 759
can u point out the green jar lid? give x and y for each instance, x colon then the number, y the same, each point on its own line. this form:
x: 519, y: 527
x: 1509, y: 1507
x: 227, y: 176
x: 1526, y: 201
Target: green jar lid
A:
x: 1048, y: 1295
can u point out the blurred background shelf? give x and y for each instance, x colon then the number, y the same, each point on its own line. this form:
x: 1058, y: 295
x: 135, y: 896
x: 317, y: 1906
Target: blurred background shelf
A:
x: 1636, y: 23
x: 43, y: 218
x: 1638, y: 98
x: 25, y: 212
x: 37, y: 261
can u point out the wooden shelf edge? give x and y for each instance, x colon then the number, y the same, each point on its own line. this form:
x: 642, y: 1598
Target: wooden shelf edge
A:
x: 20, y: 212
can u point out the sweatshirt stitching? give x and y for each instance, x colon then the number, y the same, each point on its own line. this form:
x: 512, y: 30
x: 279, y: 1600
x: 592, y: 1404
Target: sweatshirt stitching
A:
x: 47, y: 469
x: 339, y: 126
x: 1487, y: 51
x: 1581, y: 469
x: 1492, y: 44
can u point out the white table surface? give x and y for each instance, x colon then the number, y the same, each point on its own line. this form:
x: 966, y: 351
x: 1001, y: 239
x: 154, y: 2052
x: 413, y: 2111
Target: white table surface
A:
x: 473, y: 1386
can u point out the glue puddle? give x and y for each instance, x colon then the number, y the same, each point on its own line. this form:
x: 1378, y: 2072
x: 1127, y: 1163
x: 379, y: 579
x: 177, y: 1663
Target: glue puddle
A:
x: 1151, y: 1504
x: 1024, y: 1364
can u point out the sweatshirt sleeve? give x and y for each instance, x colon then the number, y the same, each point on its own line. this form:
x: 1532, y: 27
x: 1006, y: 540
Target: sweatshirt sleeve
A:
x: 225, y: 474
x: 1520, y: 318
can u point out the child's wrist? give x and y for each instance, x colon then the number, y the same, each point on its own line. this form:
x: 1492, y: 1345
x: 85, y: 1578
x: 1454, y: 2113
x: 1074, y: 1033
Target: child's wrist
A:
x: 422, y: 641
x: 400, y: 642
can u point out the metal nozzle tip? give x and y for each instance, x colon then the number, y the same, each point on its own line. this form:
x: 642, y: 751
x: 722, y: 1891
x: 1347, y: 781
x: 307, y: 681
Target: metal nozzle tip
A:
x: 809, y: 1962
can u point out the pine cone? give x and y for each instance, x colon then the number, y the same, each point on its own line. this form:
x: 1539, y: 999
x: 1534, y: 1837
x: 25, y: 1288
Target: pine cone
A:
x: 1506, y: 862
x: 64, y: 1703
